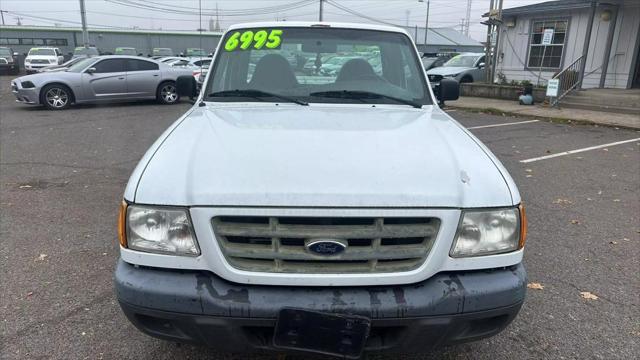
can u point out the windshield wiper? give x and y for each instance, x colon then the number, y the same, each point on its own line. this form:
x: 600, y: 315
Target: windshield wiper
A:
x: 360, y: 94
x: 255, y: 93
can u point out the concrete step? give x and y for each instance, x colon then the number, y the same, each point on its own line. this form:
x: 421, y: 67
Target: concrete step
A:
x: 605, y: 101
x: 569, y: 103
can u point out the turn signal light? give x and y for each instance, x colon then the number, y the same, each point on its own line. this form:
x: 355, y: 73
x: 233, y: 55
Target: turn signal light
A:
x: 523, y: 226
x: 122, y: 222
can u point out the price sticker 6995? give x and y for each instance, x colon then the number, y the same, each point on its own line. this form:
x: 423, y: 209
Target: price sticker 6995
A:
x: 254, y: 39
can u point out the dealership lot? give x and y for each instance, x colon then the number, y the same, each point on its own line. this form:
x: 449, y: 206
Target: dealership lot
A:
x: 63, y: 173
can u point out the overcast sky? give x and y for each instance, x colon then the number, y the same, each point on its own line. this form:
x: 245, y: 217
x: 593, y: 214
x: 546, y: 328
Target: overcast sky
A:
x: 182, y: 14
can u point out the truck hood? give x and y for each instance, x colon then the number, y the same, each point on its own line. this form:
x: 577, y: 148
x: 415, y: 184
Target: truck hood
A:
x: 319, y: 155
x: 447, y: 70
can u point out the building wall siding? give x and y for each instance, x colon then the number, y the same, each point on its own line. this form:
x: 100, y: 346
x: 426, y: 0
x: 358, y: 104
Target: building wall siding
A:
x: 515, y: 42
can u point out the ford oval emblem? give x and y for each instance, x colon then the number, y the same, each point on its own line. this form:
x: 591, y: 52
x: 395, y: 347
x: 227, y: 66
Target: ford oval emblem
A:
x: 325, y: 246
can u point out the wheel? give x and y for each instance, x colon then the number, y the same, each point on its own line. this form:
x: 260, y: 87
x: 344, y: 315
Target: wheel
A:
x: 167, y: 93
x: 466, y: 79
x: 56, y: 97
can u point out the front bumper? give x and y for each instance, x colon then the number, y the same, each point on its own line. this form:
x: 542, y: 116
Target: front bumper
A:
x: 199, y: 307
x: 8, y: 67
x: 26, y: 96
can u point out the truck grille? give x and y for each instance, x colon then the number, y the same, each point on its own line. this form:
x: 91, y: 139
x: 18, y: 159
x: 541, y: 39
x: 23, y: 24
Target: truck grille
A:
x: 278, y: 244
x: 39, y: 61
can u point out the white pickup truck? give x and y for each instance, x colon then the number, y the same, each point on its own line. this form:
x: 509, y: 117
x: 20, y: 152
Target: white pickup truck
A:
x: 296, y: 210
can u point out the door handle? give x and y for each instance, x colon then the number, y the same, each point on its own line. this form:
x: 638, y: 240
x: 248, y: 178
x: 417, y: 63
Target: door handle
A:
x: 156, y: 75
x: 121, y: 78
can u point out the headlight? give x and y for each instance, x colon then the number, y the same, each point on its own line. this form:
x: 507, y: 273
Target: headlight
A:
x: 52, y: 61
x: 487, y: 232
x: 452, y: 75
x: 157, y: 230
x: 27, y: 60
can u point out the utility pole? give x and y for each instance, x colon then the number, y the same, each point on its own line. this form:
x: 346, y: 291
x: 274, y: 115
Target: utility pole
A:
x: 2, y: 15
x: 321, y: 6
x: 487, y: 53
x: 498, y: 29
x: 426, y: 25
x: 85, y: 32
x: 468, y: 18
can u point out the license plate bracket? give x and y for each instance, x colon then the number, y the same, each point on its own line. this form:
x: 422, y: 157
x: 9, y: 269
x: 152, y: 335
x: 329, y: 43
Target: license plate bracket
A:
x: 324, y: 333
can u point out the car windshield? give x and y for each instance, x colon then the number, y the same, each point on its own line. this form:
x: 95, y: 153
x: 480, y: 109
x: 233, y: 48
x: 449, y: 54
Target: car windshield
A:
x: 125, y: 51
x: 462, y: 61
x: 196, y: 52
x: 323, y: 65
x: 162, y: 52
x: 5, y: 52
x: 427, y: 61
x: 45, y: 52
x: 85, y: 51
x: 81, y: 65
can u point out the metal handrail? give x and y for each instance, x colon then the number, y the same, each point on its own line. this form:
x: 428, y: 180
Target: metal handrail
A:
x: 569, y: 79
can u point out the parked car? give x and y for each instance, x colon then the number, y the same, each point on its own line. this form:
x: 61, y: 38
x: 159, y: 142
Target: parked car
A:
x: 431, y: 62
x: 38, y: 58
x: 82, y: 51
x: 62, y: 67
x: 9, y: 61
x: 100, y: 79
x: 466, y: 67
x: 126, y: 51
x: 200, y: 74
x: 195, y: 52
x: 161, y: 52
x: 368, y: 221
x: 193, y: 62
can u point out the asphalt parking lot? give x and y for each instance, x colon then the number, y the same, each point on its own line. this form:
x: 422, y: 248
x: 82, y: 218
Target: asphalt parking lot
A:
x: 62, y: 175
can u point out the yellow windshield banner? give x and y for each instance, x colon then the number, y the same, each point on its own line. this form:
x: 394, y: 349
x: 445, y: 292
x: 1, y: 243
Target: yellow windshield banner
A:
x: 257, y: 40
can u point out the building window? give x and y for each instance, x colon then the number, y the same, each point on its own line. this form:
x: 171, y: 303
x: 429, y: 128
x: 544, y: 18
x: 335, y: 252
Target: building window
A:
x: 547, y: 56
x: 38, y: 42
x: 13, y: 41
x: 26, y: 41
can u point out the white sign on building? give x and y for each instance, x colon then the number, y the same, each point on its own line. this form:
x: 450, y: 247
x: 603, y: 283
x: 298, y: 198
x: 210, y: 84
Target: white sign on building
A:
x: 547, y: 36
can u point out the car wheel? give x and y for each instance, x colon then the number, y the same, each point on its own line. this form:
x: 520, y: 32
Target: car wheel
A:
x: 466, y: 79
x: 167, y: 93
x: 56, y: 97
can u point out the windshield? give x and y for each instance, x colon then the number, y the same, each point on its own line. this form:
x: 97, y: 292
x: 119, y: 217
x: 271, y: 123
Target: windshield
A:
x: 5, y: 52
x: 462, y: 61
x: 81, y: 64
x: 323, y: 65
x: 196, y: 52
x: 126, y: 51
x: 428, y: 61
x: 163, y: 52
x: 45, y: 52
x: 85, y: 51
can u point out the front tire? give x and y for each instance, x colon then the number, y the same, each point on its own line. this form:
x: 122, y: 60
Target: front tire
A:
x: 56, y: 97
x: 466, y: 79
x: 167, y: 93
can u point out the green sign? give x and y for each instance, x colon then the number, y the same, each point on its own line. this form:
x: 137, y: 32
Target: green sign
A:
x: 256, y: 40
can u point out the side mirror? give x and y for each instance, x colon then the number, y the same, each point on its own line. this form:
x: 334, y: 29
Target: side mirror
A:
x: 449, y: 89
x: 186, y: 86
x: 90, y: 70
x: 481, y: 65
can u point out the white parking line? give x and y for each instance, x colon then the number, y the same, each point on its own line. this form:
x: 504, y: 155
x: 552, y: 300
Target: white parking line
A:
x: 503, y: 124
x: 578, y: 150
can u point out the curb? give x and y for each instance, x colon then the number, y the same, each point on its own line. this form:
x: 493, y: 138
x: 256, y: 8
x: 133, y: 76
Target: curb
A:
x: 552, y: 119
